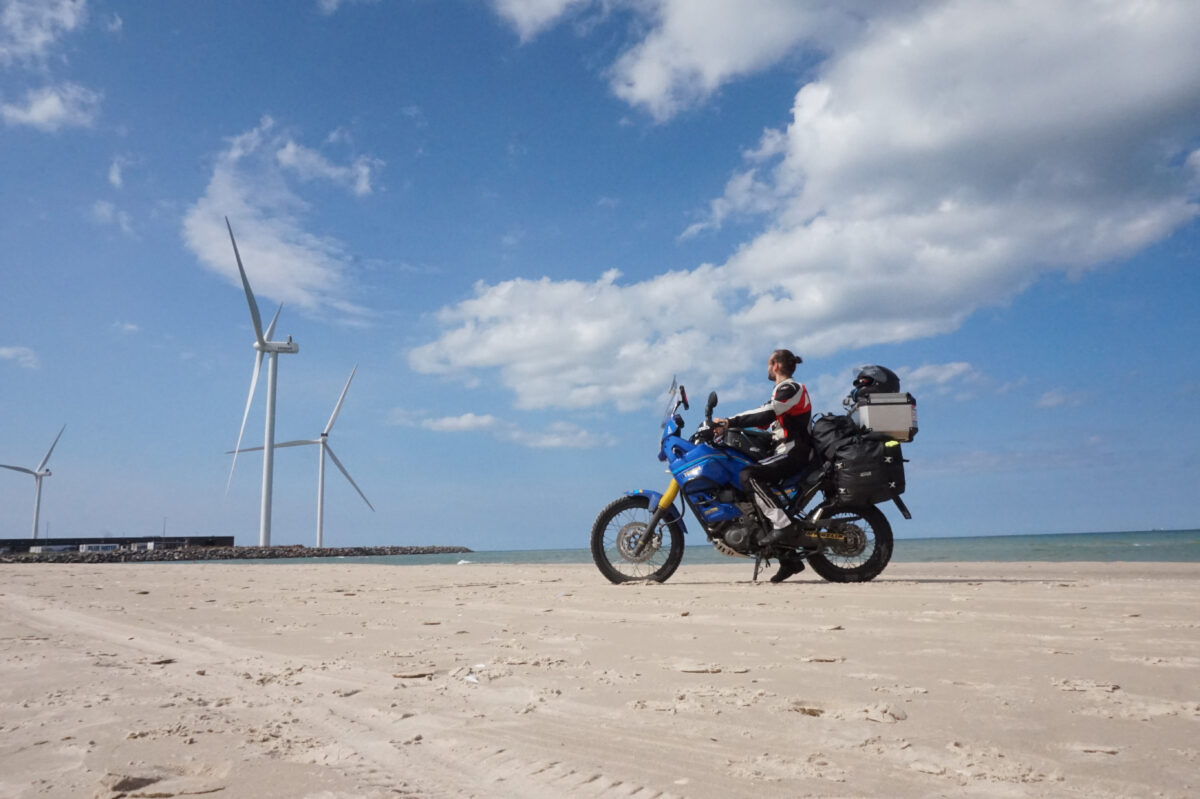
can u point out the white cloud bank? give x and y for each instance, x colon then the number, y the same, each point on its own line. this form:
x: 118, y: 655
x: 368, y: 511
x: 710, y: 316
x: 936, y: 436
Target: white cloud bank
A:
x: 945, y: 156
x: 30, y: 28
x: 252, y: 186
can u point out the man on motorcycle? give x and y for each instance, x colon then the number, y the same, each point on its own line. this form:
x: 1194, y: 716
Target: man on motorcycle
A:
x: 788, y: 412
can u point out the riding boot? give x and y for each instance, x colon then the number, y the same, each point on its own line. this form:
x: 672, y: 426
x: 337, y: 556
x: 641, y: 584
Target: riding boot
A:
x: 789, y: 564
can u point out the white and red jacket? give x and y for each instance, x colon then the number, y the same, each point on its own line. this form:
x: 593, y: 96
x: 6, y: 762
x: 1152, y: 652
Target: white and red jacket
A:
x: 788, y: 414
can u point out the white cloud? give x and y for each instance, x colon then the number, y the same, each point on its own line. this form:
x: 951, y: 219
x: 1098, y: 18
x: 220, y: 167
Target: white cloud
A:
x: 695, y: 47
x: 1059, y: 398
x: 468, y: 422
x: 23, y: 356
x: 531, y: 17
x: 572, y: 344
x: 114, y: 24
x: 30, y: 28
x: 556, y: 435
x: 688, y: 49
x: 311, y: 165
x: 943, y: 158
x: 328, y: 7
x: 936, y: 377
x: 115, y: 173
x: 106, y: 213
x: 125, y: 327
x: 52, y: 107
x: 284, y: 261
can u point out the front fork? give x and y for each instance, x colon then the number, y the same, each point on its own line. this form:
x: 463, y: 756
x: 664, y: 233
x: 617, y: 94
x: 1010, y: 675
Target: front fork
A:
x: 665, y: 503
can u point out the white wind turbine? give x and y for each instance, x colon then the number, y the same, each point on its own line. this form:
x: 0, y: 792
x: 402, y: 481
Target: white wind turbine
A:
x: 264, y: 346
x: 38, y: 473
x: 323, y: 443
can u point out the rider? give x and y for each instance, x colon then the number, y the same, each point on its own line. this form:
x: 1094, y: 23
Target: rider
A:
x: 788, y: 412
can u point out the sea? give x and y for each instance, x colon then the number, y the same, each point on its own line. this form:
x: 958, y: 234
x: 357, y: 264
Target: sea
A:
x: 1164, y: 546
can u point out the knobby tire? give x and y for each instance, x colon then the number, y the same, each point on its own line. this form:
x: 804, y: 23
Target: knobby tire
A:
x: 607, y: 542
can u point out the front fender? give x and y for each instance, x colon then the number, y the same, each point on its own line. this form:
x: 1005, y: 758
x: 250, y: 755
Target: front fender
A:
x: 671, y: 514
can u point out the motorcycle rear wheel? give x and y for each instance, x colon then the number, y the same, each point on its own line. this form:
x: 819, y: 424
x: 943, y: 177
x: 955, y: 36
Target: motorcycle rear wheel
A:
x: 870, y: 554
x: 617, y: 536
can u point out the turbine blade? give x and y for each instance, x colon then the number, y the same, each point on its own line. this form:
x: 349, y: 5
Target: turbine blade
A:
x: 338, y: 408
x: 338, y: 464
x: 271, y: 327
x: 18, y: 469
x: 258, y: 330
x: 277, y: 446
x: 258, y: 359
x: 46, y: 459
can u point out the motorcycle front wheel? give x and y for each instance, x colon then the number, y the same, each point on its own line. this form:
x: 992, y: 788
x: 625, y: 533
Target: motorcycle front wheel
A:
x: 863, y: 552
x: 624, y: 548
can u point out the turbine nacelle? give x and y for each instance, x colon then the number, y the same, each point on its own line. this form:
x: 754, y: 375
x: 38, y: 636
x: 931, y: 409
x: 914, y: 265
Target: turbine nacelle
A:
x: 285, y: 347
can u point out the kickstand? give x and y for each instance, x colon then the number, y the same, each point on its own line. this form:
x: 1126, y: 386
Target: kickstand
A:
x: 758, y: 564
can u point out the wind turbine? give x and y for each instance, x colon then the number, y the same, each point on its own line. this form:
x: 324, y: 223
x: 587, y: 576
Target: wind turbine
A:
x: 323, y: 443
x: 264, y: 346
x: 38, y: 473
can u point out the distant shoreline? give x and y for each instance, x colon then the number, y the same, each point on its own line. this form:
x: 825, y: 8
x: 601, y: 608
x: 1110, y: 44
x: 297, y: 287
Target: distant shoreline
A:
x: 225, y: 553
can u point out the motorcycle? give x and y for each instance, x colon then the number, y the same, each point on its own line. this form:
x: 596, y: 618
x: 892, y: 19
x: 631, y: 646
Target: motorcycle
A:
x: 640, y: 536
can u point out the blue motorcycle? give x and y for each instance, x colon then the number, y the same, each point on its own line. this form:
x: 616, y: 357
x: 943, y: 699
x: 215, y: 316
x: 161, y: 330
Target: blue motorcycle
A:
x: 641, y: 535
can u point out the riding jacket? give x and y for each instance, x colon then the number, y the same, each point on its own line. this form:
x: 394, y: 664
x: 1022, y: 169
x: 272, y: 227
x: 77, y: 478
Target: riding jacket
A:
x: 788, y: 414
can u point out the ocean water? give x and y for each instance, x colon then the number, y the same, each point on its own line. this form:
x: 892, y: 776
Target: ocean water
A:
x: 1169, y: 546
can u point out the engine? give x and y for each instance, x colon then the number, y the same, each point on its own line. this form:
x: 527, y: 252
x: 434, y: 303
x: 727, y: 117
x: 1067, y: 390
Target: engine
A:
x: 737, y: 535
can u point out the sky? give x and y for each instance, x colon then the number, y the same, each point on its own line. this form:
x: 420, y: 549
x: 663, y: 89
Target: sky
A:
x: 521, y: 219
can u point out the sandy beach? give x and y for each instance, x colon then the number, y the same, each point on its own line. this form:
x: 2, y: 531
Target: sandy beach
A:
x: 330, y: 681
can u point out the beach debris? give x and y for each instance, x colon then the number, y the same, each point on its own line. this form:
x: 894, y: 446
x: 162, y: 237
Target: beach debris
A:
x: 700, y: 669
x: 807, y: 710
x: 1100, y: 750
x: 884, y: 713
x: 1088, y: 685
x: 414, y: 675
x: 832, y: 628
x: 815, y: 659
x: 163, y: 662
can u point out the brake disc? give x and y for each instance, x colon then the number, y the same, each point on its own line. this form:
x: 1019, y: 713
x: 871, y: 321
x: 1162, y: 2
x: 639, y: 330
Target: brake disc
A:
x: 630, y: 538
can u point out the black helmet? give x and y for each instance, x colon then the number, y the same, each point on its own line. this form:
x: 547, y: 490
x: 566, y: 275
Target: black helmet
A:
x: 876, y: 380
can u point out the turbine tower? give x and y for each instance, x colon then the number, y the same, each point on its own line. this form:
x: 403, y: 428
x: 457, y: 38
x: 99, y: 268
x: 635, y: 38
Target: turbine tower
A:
x: 263, y: 346
x: 38, y: 473
x: 323, y: 444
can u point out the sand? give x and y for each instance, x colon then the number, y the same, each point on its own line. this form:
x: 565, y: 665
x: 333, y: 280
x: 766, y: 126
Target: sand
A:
x: 330, y: 681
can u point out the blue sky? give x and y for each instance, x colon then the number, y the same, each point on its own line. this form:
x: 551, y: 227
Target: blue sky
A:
x: 521, y: 218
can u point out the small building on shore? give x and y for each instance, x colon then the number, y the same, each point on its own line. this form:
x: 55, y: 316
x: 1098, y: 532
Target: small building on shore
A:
x: 16, y: 546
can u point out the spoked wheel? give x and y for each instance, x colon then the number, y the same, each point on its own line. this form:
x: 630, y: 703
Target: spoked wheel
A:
x: 624, y: 548
x: 857, y: 548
